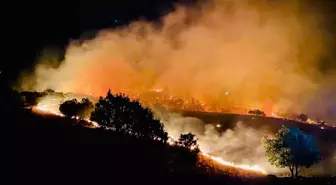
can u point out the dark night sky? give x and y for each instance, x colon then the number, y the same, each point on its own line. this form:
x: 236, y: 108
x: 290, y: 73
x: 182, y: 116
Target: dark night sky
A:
x: 51, y: 23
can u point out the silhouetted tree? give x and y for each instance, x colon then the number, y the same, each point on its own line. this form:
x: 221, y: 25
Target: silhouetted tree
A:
x: 69, y: 108
x: 119, y: 113
x: 185, y: 157
x: 303, y: 117
x: 257, y: 112
x: 188, y: 141
x: 293, y: 149
x: 48, y: 91
x: 81, y: 109
x: 32, y: 98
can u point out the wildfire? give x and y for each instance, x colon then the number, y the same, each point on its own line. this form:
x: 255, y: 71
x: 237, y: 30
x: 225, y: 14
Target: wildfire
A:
x: 157, y: 90
x: 49, y: 109
x: 221, y: 161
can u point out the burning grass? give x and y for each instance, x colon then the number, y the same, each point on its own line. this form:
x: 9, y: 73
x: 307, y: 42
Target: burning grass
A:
x: 49, y: 105
x: 216, y: 165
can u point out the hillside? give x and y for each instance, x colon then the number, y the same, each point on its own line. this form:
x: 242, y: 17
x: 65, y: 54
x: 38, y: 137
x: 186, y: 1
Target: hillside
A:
x: 52, y: 150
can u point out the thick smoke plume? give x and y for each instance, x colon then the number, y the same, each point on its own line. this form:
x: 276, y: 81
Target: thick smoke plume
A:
x: 262, y: 52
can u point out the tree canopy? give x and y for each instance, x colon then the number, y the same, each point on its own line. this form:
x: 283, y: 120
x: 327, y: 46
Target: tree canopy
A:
x: 303, y: 117
x: 188, y: 141
x: 80, y: 109
x: 119, y: 113
x: 186, y: 155
x: 292, y: 148
x: 257, y: 112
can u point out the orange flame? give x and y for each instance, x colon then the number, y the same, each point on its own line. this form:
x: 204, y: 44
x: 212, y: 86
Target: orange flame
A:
x: 47, y: 109
x: 221, y: 161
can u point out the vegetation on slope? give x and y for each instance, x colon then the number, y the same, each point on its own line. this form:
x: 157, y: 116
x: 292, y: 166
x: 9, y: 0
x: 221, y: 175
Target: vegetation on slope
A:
x: 52, y: 149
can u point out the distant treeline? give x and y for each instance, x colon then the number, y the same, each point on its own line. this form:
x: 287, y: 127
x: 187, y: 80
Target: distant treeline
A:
x: 32, y: 98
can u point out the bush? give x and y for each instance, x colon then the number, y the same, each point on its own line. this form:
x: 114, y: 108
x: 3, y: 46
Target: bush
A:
x: 188, y: 141
x: 185, y: 157
x: 303, y: 117
x: 119, y: 113
x: 73, y: 108
x: 257, y: 112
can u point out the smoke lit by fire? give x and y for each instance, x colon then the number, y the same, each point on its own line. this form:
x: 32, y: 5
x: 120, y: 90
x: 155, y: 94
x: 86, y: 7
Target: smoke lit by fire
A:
x: 50, y: 109
x: 240, y: 146
x: 54, y: 110
x: 232, y: 53
x: 227, y: 54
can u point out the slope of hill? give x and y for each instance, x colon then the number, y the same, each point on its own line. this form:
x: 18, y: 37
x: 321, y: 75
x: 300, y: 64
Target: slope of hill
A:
x: 326, y: 135
x: 52, y: 150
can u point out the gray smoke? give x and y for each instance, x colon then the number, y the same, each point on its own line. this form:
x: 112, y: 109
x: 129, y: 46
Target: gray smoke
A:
x: 240, y: 145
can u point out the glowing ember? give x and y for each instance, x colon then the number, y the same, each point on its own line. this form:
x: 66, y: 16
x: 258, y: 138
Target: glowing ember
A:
x: 241, y: 166
x: 95, y: 124
x: 157, y: 90
x: 49, y: 109
x: 170, y: 141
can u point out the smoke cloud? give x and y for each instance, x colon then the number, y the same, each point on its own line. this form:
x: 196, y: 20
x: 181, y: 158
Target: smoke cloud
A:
x: 326, y: 166
x: 240, y: 145
x: 259, y: 51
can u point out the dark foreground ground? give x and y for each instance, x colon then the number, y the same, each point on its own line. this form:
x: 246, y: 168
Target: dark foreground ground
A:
x: 50, y: 150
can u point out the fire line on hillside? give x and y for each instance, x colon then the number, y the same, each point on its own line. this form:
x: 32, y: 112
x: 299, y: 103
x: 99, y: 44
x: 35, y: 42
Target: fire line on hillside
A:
x: 254, y: 168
